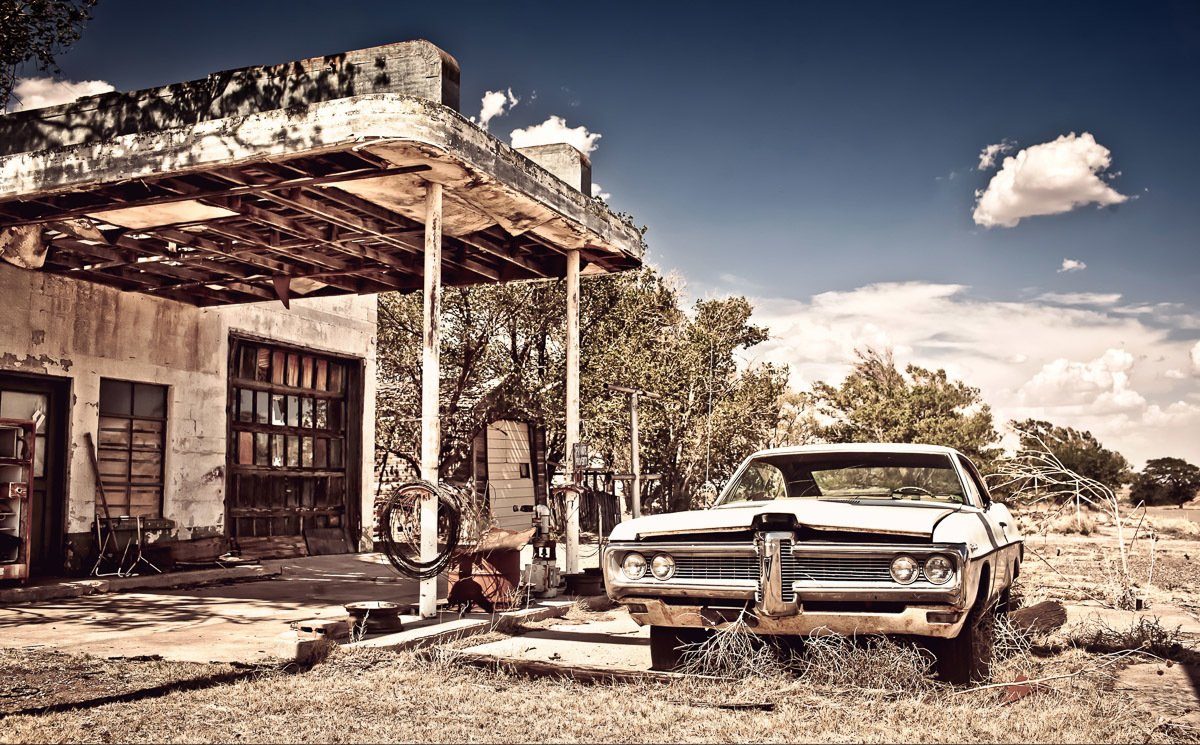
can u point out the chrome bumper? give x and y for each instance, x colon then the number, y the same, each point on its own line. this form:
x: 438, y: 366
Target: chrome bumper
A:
x: 776, y: 594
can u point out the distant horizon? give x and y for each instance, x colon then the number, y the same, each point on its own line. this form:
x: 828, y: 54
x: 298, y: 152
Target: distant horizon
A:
x: 987, y: 190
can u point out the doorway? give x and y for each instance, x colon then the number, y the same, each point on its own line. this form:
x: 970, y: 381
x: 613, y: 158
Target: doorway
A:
x: 24, y: 396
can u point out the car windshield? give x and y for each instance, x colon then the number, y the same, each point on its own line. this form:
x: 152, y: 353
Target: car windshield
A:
x: 848, y: 476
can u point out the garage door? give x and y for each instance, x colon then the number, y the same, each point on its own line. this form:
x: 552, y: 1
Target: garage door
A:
x: 295, y: 415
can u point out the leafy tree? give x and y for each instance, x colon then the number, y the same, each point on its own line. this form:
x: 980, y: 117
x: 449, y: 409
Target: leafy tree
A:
x: 1166, y: 481
x: 503, y: 356
x: 879, y: 403
x: 37, y: 31
x: 1078, y: 450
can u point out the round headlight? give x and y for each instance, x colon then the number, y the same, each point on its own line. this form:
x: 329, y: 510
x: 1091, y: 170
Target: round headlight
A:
x: 634, y: 566
x: 905, y: 569
x: 662, y: 566
x: 939, y: 569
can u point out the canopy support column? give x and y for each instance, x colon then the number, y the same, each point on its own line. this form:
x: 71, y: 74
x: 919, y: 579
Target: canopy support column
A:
x: 572, y: 372
x: 431, y: 424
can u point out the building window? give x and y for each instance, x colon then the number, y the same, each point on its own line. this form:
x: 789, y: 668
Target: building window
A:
x: 133, y: 424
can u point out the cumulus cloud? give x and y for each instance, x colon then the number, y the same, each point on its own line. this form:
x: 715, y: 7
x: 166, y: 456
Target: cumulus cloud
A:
x: 1047, y: 179
x: 1072, y: 265
x: 38, y: 93
x: 599, y: 193
x: 1196, y: 357
x: 1087, y: 365
x: 555, y: 130
x: 494, y: 104
x: 987, y: 156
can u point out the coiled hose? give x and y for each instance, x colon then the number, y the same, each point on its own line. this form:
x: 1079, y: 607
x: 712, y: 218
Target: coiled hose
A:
x: 400, y: 528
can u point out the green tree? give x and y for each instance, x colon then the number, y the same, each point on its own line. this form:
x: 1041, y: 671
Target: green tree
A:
x: 879, y: 403
x: 1078, y: 450
x: 1166, y: 481
x: 36, y: 31
x: 503, y: 356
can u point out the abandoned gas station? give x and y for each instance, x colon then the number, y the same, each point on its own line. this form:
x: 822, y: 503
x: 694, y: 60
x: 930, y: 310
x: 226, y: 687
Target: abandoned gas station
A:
x: 189, y: 283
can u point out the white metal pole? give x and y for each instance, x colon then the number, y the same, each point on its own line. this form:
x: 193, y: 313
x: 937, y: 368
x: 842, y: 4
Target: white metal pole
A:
x: 635, y: 460
x: 572, y: 372
x: 431, y: 424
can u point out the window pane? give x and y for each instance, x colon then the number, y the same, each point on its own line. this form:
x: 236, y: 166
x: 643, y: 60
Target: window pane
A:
x: 262, y: 450
x: 245, y: 405
x: 293, y: 411
x: 262, y: 369
x: 262, y: 406
x: 306, y: 375
x: 39, y: 457
x: 322, y: 375
x: 17, y: 405
x: 321, y: 453
x: 293, y: 451
x: 277, y: 451
x: 277, y: 413
x: 306, y: 452
x: 335, y: 377
x: 293, y: 369
x: 150, y: 400
x: 277, y: 365
x: 322, y: 414
x: 116, y: 397
x: 306, y: 412
x: 245, y: 448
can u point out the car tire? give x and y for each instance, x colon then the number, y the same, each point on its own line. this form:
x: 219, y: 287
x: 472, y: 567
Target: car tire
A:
x: 668, y: 644
x: 967, y: 658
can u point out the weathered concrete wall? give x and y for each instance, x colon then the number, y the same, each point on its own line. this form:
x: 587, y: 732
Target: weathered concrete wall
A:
x: 58, y: 326
x: 410, y: 68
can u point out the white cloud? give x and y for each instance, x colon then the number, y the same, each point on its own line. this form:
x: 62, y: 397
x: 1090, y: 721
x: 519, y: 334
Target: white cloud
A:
x: 987, y: 156
x: 599, y: 192
x: 553, y: 131
x: 1175, y: 374
x: 1196, y: 357
x: 1047, y: 179
x: 494, y: 104
x: 1093, y: 366
x: 38, y: 93
x: 1072, y: 265
x: 1081, y: 298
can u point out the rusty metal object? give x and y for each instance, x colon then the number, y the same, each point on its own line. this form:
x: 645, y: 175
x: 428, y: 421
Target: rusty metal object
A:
x: 375, y: 616
x: 323, y: 628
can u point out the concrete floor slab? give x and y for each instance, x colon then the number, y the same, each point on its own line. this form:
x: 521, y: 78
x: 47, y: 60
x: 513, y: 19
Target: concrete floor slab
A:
x: 228, y: 623
x: 617, y: 643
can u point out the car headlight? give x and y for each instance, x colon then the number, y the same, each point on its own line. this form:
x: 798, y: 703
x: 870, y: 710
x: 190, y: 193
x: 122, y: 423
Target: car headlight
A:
x: 662, y: 566
x: 939, y: 569
x: 633, y: 565
x: 905, y: 569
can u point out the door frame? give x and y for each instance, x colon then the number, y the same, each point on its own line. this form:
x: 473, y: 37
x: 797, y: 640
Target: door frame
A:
x: 47, y: 557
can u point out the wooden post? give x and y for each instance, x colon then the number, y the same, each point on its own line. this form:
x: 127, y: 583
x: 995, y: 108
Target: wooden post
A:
x: 635, y: 457
x: 431, y: 424
x: 572, y: 385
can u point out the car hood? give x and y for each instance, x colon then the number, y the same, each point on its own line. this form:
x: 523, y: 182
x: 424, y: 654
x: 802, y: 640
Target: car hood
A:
x: 917, y: 520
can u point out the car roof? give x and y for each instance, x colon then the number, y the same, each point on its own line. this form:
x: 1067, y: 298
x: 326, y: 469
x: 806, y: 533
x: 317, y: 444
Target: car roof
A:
x: 860, y: 447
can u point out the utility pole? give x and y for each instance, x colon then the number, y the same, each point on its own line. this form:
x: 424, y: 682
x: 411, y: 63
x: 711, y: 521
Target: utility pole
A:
x: 635, y: 458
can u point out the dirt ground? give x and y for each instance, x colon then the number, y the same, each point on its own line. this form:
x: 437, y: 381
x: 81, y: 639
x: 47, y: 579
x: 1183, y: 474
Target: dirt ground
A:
x: 1120, y: 685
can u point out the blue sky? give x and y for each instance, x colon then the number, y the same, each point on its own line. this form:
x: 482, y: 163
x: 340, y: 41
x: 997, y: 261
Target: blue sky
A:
x: 822, y: 158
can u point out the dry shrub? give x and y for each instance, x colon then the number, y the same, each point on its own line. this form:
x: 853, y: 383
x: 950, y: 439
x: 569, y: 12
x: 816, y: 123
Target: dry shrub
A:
x: 1146, y: 634
x: 734, y: 652
x: 875, y: 663
x: 1082, y: 523
x: 1175, y: 527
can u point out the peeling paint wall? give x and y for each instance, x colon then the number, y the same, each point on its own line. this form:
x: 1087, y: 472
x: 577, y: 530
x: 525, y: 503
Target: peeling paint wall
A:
x: 53, y: 325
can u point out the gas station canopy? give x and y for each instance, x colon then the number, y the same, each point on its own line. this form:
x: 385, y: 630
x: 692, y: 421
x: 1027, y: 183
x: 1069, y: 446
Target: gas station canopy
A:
x: 303, y: 179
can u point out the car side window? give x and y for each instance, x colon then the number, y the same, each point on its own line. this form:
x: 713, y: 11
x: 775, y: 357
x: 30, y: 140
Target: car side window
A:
x: 977, y: 490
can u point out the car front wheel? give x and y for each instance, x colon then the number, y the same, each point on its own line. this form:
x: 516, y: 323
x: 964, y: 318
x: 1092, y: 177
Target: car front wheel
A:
x: 967, y: 658
x: 669, y: 644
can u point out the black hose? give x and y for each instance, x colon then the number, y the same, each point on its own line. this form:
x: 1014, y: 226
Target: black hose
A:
x: 408, y: 497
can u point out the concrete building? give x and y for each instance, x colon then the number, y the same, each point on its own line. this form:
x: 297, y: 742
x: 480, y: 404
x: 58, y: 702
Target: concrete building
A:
x: 188, y: 275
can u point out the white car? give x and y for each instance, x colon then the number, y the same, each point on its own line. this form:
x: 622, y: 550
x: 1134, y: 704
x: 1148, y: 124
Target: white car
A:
x: 845, y: 539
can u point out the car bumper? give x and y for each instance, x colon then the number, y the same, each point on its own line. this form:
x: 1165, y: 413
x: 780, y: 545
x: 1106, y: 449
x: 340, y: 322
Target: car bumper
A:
x: 921, y: 620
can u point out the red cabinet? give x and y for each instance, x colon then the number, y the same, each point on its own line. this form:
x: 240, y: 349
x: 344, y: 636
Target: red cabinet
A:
x: 17, y: 444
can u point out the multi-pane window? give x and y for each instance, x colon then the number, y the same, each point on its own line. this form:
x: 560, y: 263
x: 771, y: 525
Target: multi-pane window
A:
x: 288, y: 447
x: 131, y: 444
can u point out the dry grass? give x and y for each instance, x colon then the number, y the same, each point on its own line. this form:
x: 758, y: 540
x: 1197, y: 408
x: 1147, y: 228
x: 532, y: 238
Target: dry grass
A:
x: 378, y: 696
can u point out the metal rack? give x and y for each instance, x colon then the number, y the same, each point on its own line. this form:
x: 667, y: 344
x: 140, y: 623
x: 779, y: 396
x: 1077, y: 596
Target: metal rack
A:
x: 18, y: 441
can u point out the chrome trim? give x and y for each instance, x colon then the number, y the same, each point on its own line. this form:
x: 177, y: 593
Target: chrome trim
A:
x: 770, y: 598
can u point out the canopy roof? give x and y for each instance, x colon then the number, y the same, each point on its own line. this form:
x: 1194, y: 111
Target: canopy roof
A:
x: 315, y: 199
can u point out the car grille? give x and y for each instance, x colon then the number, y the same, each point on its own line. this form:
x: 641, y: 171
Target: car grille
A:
x: 836, y: 569
x: 716, y: 567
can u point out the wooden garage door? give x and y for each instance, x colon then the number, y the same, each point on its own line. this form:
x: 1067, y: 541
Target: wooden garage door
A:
x: 294, y: 416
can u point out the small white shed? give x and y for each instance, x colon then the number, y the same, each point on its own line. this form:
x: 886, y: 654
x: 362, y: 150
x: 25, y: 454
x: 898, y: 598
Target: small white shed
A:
x: 509, y: 466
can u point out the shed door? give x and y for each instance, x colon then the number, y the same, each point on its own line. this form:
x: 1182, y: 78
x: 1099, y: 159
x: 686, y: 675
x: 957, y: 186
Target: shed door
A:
x: 510, y: 473
x: 294, y: 418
